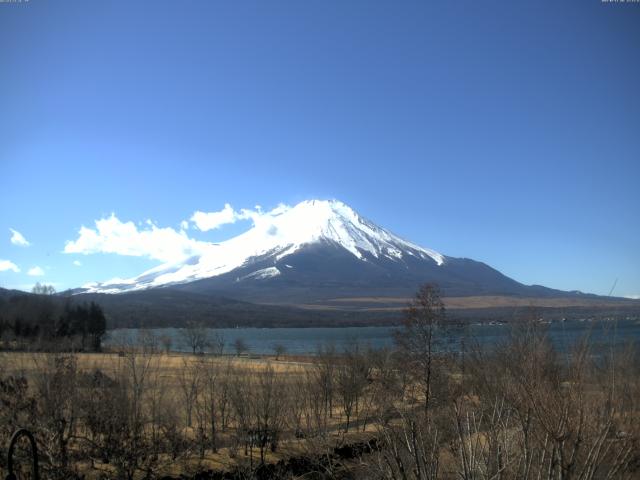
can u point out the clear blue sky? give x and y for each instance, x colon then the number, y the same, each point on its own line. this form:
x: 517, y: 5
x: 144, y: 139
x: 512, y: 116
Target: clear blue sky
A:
x: 506, y: 132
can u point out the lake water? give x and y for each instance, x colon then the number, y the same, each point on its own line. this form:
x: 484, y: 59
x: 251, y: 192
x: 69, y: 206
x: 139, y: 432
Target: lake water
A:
x: 307, y: 340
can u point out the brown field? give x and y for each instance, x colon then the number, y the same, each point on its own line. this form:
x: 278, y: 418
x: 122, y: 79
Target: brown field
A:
x: 489, y: 301
x: 167, y: 375
x: 518, y: 411
x: 169, y: 365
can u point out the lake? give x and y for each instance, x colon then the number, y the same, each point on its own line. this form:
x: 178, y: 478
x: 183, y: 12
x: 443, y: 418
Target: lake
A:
x: 307, y: 340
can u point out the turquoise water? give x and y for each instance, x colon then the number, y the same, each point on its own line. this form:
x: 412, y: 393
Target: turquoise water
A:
x: 307, y: 340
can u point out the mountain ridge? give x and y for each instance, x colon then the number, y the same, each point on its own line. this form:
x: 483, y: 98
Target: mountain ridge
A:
x: 276, y: 235
x: 319, y: 250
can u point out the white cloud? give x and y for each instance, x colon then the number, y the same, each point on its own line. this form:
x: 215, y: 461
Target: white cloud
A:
x: 35, y: 272
x: 167, y: 245
x: 123, y: 238
x: 262, y: 219
x: 206, y: 221
x: 8, y: 265
x: 633, y: 297
x: 184, y: 225
x: 77, y: 263
x: 18, y: 239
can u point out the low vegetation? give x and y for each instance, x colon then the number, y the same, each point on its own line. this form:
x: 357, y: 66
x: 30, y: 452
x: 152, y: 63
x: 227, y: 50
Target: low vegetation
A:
x: 516, y: 410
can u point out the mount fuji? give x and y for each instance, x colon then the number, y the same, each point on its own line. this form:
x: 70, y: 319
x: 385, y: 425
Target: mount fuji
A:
x: 319, y: 251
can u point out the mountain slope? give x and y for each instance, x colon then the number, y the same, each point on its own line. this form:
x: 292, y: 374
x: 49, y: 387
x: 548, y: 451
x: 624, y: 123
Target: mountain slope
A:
x: 320, y: 250
x: 278, y: 235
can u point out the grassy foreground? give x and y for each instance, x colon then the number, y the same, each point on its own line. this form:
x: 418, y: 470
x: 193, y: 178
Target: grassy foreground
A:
x: 517, y: 411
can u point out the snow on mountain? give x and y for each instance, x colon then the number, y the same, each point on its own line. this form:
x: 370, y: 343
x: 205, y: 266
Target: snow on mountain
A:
x: 263, y: 273
x: 276, y: 235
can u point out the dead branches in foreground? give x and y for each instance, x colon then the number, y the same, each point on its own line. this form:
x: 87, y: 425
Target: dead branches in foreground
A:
x: 519, y: 410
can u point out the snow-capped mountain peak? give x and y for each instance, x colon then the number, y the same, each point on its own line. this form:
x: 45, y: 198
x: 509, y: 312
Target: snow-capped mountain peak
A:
x: 314, y: 220
x: 275, y: 235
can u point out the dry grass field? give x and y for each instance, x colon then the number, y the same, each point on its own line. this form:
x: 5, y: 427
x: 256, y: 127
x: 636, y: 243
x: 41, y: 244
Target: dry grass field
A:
x: 176, y: 383
x: 168, y: 364
x: 518, y: 410
x: 474, y: 302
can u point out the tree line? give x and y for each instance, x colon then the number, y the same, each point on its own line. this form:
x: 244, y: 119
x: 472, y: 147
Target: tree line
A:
x: 42, y: 319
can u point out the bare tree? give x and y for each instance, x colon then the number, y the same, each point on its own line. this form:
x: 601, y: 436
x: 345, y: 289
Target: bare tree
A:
x: 240, y: 346
x: 56, y: 385
x: 189, y: 378
x: 217, y: 344
x: 239, y: 398
x: 147, y: 340
x: 132, y: 450
x: 314, y: 406
x: 195, y: 336
x: 223, y: 393
x: 325, y: 362
x: 166, y: 341
x: 42, y: 289
x: 279, y: 350
x: 408, y: 448
x: 268, y: 406
x: 529, y: 413
x: 352, y: 379
x: 210, y: 402
x: 417, y: 338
